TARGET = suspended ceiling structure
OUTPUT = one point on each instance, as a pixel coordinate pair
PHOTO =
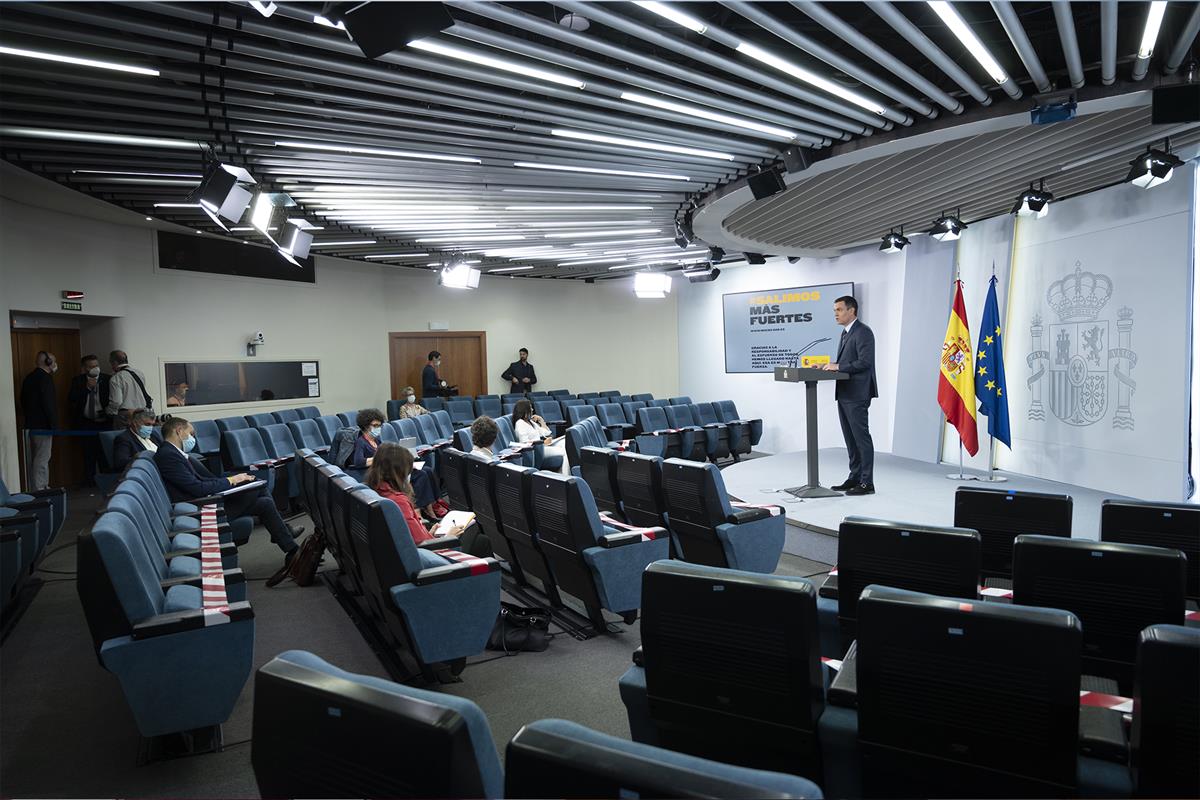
(566, 140)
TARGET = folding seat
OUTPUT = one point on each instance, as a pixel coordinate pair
(144, 483)
(387, 433)
(340, 487)
(639, 482)
(955, 699)
(682, 400)
(441, 604)
(246, 450)
(729, 668)
(308, 412)
(559, 393)
(610, 393)
(18, 547)
(708, 529)
(226, 424)
(1175, 525)
(307, 433)
(349, 419)
(322, 477)
(259, 420)
(645, 398)
(1116, 590)
(596, 402)
(388, 739)
(705, 442)
(454, 478)
(488, 407)
(178, 670)
(551, 412)
(660, 403)
(286, 415)
(208, 437)
(919, 558)
(598, 468)
(481, 489)
(48, 505)
(576, 414)
(585, 396)
(280, 445)
(616, 427)
(107, 440)
(740, 429)
(1000, 515)
(658, 438)
(433, 403)
(630, 409)
(393, 409)
(704, 415)
(532, 395)
(582, 435)
(598, 564)
(462, 412)
(1165, 754)
(512, 397)
(329, 426)
(514, 504)
(509, 408)
(507, 447)
(557, 758)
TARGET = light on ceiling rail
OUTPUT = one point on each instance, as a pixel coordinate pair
(705, 274)
(479, 57)
(947, 227)
(1154, 167)
(600, 171)
(713, 116)
(98, 138)
(639, 143)
(1154, 18)
(41, 55)
(586, 234)
(893, 242)
(651, 285)
(396, 255)
(502, 237)
(459, 275)
(969, 40)
(1033, 202)
(679, 18)
(568, 208)
(344, 243)
(508, 269)
(267, 9)
(799, 73)
(225, 192)
(194, 175)
(376, 151)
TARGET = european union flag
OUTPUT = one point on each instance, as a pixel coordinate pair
(990, 389)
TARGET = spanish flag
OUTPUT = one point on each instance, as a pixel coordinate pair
(956, 384)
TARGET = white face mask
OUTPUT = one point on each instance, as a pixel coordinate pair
(412, 398)
(94, 372)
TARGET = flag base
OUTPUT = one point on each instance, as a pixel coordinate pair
(962, 476)
(811, 490)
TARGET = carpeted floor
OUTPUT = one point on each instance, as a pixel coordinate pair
(65, 730)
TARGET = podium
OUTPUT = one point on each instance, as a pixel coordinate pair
(810, 377)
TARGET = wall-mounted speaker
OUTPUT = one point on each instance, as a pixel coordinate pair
(1172, 105)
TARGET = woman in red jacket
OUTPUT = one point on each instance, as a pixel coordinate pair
(389, 477)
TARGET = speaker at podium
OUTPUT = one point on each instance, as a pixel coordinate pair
(810, 376)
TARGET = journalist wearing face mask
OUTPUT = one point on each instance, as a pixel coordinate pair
(186, 479)
(39, 408)
(138, 436)
(424, 483)
(88, 399)
(411, 407)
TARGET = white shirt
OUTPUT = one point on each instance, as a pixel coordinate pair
(527, 431)
(850, 325)
(485, 452)
(149, 444)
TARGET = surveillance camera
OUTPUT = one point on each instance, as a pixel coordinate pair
(259, 338)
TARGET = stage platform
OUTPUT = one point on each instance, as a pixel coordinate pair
(905, 491)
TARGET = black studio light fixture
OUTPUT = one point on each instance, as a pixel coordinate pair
(893, 242)
(379, 28)
(704, 274)
(716, 255)
(755, 259)
(948, 227)
(224, 192)
(1154, 167)
(1034, 202)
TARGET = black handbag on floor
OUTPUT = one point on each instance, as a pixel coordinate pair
(519, 628)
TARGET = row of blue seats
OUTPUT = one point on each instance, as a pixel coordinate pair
(937, 697)
(695, 431)
(29, 522)
(391, 740)
(436, 403)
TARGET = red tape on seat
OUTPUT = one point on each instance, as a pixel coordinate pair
(479, 566)
(214, 599)
(648, 534)
(1101, 700)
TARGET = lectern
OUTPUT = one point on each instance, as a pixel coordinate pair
(810, 377)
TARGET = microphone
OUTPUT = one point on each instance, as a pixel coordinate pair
(805, 349)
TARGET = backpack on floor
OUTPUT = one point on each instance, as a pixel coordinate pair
(342, 447)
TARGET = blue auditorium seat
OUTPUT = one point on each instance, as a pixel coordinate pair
(657, 437)
(488, 406)
(587, 432)
(339, 487)
(551, 412)
(393, 409)
(576, 414)
(462, 412)
(769, 627)
(609, 393)
(387, 433)
(559, 393)
(682, 400)
(481, 489)
(433, 403)
(286, 415)
(616, 427)
(509, 408)
(349, 419)
(717, 434)
(308, 433)
(479, 397)
(246, 449)
(702, 442)
(225, 424)
(442, 420)
(514, 503)
(645, 398)
(536, 394)
(630, 408)
(329, 426)
(427, 427)
(454, 476)
(278, 441)
(438, 745)
(1166, 706)
(446, 609)
(177, 519)
(107, 440)
(660, 403)
(639, 481)
(708, 529)
(587, 395)
(511, 397)
(259, 420)
(178, 672)
(308, 412)
(48, 505)
(18, 548)
(752, 428)
(598, 468)
(600, 565)
(208, 436)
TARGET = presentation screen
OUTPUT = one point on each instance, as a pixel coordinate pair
(782, 327)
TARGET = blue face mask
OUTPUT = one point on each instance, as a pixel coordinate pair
(145, 431)
(189, 444)
(376, 432)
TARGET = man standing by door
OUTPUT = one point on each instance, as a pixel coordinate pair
(88, 397)
(39, 405)
(126, 389)
(520, 374)
(855, 356)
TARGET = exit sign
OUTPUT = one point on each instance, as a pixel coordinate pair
(67, 305)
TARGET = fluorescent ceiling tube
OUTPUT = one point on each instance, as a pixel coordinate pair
(265, 8)
(969, 40)
(679, 18)
(703, 113)
(581, 234)
(375, 151)
(618, 242)
(798, 72)
(1150, 32)
(79, 62)
(177, 205)
(100, 138)
(328, 23)
(576, 262)
(600, 171)
(397, 255)
(644, 145)
(561, 209)
(479, 57)
(142, 174)
(587, 193)
(346, 243)
(508, 269)
(482, 238)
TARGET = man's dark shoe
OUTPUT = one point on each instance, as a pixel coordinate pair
(297, 531)
(862, 488)
(849, 483)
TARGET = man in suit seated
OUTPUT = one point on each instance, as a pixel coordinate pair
(138, 436)
(187, 480)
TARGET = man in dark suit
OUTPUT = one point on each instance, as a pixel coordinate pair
(39, 406)
(88, 398)
(186, 480)
(520, 374)
(139, 436)
(856, 357)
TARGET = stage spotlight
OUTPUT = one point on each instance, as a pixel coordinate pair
(458, 274)
(1154, 167)
(894, 242)
(681, 238)
(379, 28)
(651, 285)
(755, 259)
(716, 254)
(294, 242)
(947, 227)
(793, 259)
(765, 184)
(705, 274)
(1034, 202)
(224, 192)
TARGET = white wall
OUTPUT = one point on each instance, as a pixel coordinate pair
(878, 282)
(582, 337)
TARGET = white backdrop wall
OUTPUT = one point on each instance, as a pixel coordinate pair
(878, 284)
(583, 337)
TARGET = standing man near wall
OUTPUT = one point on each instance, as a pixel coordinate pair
(520, 373)
(88, 397)
(126, 389)
(855, 356)
(39, 405)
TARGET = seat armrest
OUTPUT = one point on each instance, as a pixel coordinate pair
(17, 520)
(189, 620)
(227, 549)
(639, 658)
(24, 504)
(271, 463)
(829, 588)
(232, 577)
(440, 543)
(747, 515)
(40, 493)
(1102, 734)
(843, 691)
(455, 571)
(623, 538)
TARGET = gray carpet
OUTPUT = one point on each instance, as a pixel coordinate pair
(65, 730)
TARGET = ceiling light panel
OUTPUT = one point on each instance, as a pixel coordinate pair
(600, 171)
(62, 58)
(478, 57)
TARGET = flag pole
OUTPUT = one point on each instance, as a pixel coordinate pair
(992, 477)
(962, 476)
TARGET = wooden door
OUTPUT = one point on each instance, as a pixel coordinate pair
(66, 459)
(464, 360)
